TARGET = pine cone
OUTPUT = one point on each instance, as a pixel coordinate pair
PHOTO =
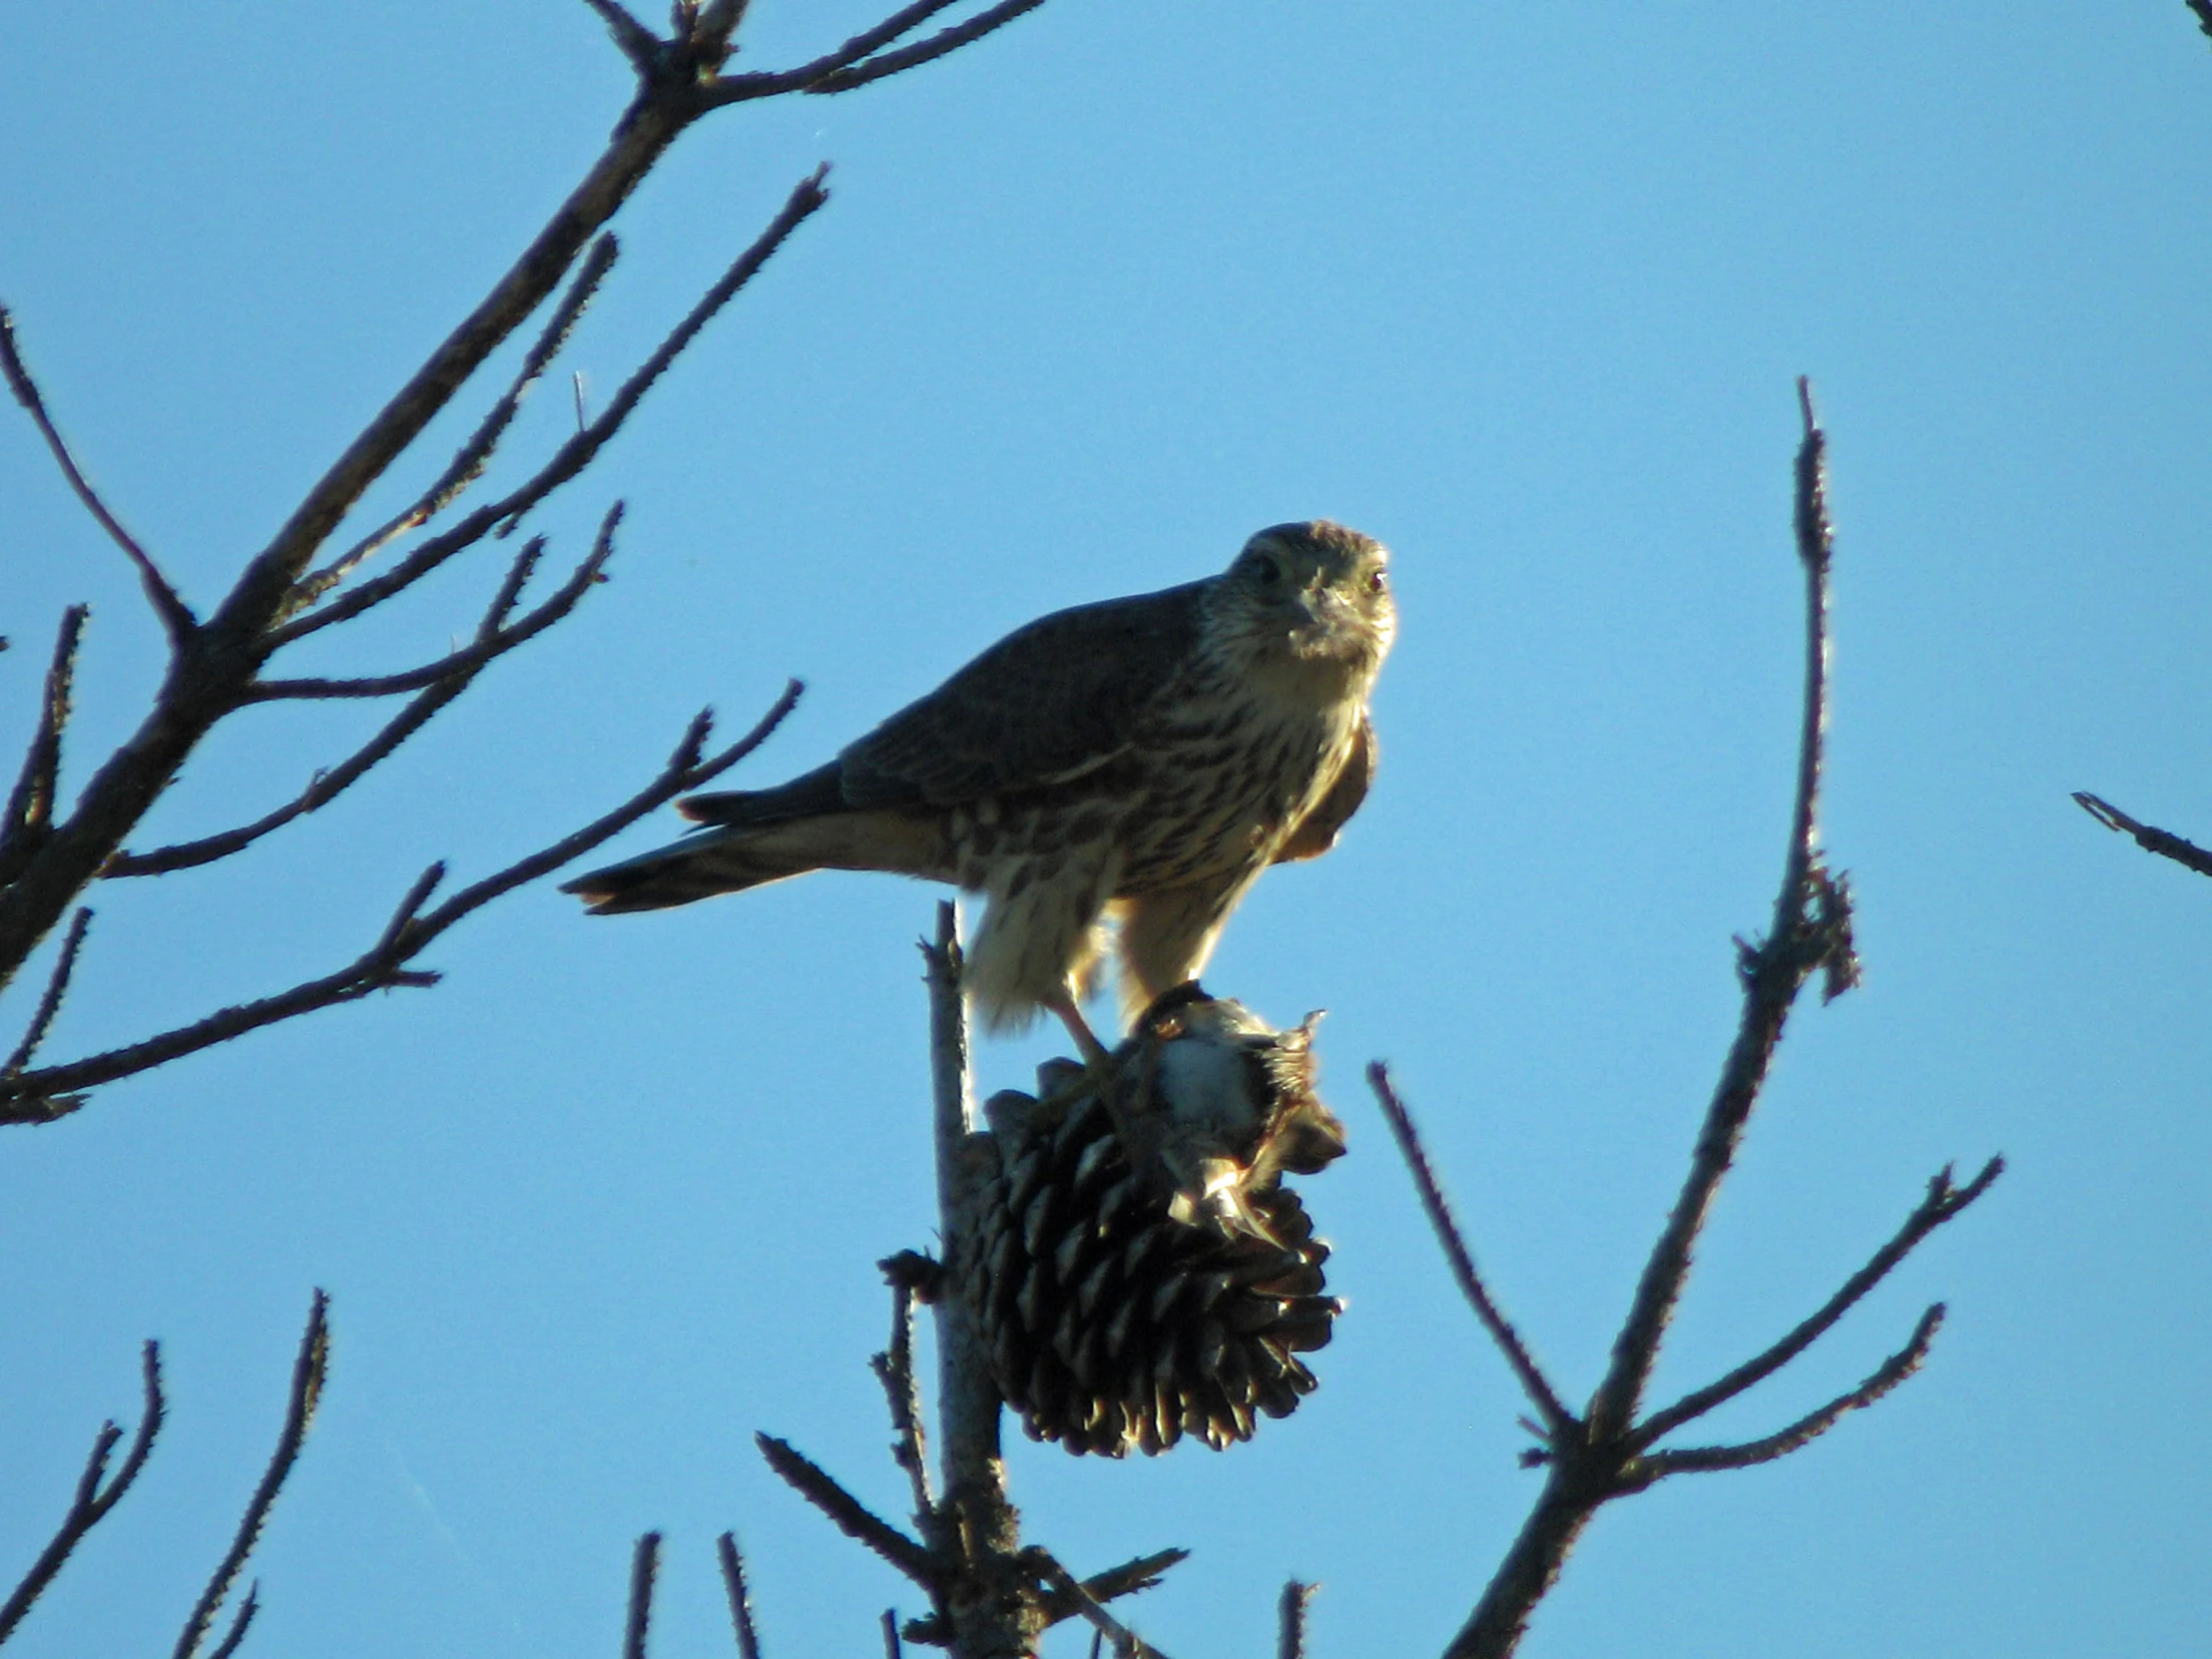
(1141, 1274)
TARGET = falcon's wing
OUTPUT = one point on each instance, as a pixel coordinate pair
(1316, 831)
(1046, 704)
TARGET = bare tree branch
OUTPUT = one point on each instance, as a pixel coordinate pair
(1127, 1643)
(851, 1517)
(57, 987)
(1809, 931)
(1603, 1456)
(895, 1369)
(176, 618)
(1556, 1417)
(891, 1647)
(2161, 842)
(741, 1598)
(844, 68)
(492, 640)
(645, 1564)
(733, 89)
(307, 1374)
(1291, 1640)
(93, 1499)
(937, 45)
(996, 1610)
(40, 1096)
(240, 1623)
(469, 461)
(638, 43)
(327, 785)
(2201, 10)
(1944, 1200)
(30, 808)
(806, 198)
(1812, 1425)
(1130, 1579)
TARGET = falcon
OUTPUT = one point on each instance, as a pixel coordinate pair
(1138, 762)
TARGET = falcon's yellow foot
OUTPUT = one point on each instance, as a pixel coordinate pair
(1097, 1057)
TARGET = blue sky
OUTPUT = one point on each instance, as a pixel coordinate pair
(1520, 291)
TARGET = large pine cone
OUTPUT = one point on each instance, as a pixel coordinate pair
(1141, 1273)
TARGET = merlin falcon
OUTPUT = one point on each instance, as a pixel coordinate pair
(1137, 761)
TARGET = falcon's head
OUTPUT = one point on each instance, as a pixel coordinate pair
(1318, 592)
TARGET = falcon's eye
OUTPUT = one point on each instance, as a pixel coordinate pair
(1377, 582)
(1267, 571)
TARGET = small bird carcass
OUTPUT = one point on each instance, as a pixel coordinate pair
(1141, 1274)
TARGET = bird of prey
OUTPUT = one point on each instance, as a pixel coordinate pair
(1140, 761)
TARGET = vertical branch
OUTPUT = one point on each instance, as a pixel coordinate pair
(740, 1597)
(1290, 1638)
(987, 1596)
(96, 1494)
(307, 1372)
(29, 814)
(645, 1566)
(1811, 929)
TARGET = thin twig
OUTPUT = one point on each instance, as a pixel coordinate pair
(491, 640)
(1537, 1386)
(1291, 1641)
(93, 1501)
(645, 1564)
(891, 1647)
(1944, 1200)
(30, 809)
(638, 43)
(177, 618)
(57, 987)
(895, 1369)
(806, 198)
(1798, 943)
(470, 459)
(1127, 1643)
(1131, 1577)
(240, 1623)
(2161, 842)
(307, 1372)
(1812, 1425)
(733, 89)
(40, 1096)
(985, 22)
(740, 1596)
(851, 1516)
(327, 785)
(2201, 10)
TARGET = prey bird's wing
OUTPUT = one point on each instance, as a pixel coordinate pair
(1316, 831)
(1046, 705)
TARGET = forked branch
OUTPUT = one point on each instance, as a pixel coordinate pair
(1944, 1200)
(30, 808)
(1607, 1452)
(1812, 1425)
(49, 1092)
(97, 1494)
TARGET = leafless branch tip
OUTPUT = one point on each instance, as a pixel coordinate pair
(96, 1493)
(307, 1372)
(175, 617)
